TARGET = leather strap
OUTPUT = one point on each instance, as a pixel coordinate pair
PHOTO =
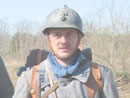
(95, 75)
(39, 57)
(90, 86)
(48, 73)
(52, 89)
(34, 88)
(50, 81)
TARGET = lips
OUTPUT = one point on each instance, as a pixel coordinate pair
(64, 49)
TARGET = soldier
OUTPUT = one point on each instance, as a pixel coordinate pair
(66, 73)
(6, 87)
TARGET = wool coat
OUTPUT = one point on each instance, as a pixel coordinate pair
(73, 86)
(6, 86)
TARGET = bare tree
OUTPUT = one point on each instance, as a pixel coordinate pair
(4, 38)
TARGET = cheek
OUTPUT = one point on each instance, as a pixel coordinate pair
(75, 41)
(53, 43)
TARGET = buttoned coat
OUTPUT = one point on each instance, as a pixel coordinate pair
(72, 87)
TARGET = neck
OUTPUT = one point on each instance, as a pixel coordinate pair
(65, 62)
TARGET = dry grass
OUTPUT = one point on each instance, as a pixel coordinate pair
(124, 87)
(12, 66)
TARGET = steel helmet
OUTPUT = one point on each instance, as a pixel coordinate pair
(63, 17)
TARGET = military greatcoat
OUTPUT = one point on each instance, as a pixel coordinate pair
(71, 87)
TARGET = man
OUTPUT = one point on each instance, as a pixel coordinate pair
(6, 87)
(66, 73)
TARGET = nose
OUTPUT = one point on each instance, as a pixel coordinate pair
(64, 39)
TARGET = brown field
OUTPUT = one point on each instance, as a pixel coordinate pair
(12, 65)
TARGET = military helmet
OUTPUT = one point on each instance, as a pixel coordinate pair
(63, 17)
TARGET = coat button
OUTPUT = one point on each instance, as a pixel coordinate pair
(32, 91)
(63, 83)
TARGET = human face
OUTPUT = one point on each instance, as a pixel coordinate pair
(64, 42)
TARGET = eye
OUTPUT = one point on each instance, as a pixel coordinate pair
(56, 34)
(70, 34)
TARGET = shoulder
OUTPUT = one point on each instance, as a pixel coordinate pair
(28, 73)
(104, 69)
(26, 76)
(106, 73)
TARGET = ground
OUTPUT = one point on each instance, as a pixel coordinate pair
(123, 86)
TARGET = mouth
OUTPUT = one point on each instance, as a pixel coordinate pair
(64, 49)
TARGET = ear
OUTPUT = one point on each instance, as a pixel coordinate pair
(80, 36)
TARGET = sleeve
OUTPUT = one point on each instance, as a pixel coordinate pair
(6, 86)
(109, 87)
(22, 89)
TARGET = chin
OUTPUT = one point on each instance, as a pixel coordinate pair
(64, 56)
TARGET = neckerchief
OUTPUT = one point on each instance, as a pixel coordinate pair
(61, 71)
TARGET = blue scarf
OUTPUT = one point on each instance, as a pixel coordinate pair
(61, 71)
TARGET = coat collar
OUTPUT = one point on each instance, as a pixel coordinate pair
(82, 74)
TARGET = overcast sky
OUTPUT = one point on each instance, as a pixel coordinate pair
(37, 10)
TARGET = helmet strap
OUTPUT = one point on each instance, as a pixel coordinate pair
(49, 44)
